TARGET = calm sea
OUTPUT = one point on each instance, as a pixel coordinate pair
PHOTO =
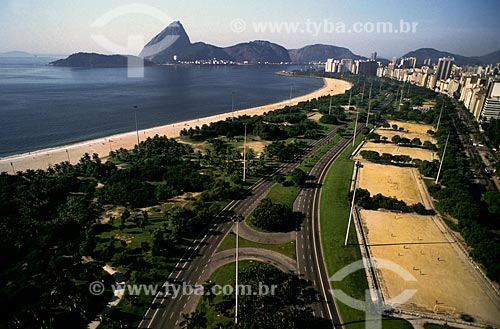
(43, 106)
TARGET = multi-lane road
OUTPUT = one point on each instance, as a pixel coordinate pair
(166, 312)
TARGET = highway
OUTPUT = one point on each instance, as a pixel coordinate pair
(166, 312)
(311, 264)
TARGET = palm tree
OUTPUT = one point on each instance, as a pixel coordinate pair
(194, 320)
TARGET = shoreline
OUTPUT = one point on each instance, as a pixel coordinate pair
(42, 159)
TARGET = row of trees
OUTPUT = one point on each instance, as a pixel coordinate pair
(396, 139)
(464, 200)
(386, 157)
(365, 200)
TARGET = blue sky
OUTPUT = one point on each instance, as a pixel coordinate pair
(66, 26)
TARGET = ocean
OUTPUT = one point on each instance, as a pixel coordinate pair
(43, 106)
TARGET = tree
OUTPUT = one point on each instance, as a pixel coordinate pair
(396, 139)
(273, 216)
(492, 200)
(298, 177)
(194, 320)
(370, 155)
(124, 217)
(416, 141)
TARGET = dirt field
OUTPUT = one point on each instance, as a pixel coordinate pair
(391, 181)
(418, 245)
(256, 146)
(390, 133)
(315, 116)
(413, 152)
(412, 127)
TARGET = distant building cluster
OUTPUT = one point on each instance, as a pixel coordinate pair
(348, 65)
(478, 87)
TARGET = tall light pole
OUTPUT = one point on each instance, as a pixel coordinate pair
(237, 219)
(442, 159)
(358, 165)
(401, 97)
(245, 154)
(369, 103)
(68, 155)
(355, 126)
(291, 89)
(363, 92)
(136, 128)
(330, 107)
(440, 113)
(232, 103)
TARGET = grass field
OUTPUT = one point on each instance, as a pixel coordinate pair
(334, 213)
(229, 242)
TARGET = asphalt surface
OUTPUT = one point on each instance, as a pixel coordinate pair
(310, 259)
(166, 312)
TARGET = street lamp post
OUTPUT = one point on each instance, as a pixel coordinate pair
(291, 89)
(237, 219)
(369, 103)
(442, 159)
(358, 165)
(232, 103)
(136, 128)
(245, 154)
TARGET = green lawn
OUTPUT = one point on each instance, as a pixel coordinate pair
(334, 211)
(229, 242)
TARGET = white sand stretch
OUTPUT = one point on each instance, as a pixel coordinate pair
(42, 159)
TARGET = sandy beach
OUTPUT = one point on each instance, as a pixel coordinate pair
(44, 158)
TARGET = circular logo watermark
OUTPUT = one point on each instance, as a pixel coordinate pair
(238, 25)
(134, 41)
(373, 304)
(96, 288)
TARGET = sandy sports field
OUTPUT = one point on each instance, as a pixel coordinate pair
(389, 133)
(392, 181)
(418, 128)
(413, 152)
(42, 159)
(444, 281)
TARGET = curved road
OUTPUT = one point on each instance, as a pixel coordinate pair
(165, 313)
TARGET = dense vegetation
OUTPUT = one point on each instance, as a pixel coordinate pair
(274, 217)
(286, 308)
(492, 131)
(137, 211)
(457, 195)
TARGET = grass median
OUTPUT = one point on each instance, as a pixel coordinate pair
(229, 242)
(334, 213)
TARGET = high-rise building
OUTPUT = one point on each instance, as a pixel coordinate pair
(444, 67)
(367, 68)
(373, 56)
(428, 61)
(347, 64)
(491, 108)
(329, 65)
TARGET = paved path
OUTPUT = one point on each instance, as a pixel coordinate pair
(246, 232)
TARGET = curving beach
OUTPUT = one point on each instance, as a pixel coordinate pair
(42, 159)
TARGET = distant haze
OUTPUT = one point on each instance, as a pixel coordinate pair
(65, 26)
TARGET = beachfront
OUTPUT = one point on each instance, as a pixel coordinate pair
(42, 159)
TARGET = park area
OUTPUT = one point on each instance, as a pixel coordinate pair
(446, 283)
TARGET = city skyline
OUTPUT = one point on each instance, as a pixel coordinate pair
(62, 27)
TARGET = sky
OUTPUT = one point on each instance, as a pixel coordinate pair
(63, 27)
